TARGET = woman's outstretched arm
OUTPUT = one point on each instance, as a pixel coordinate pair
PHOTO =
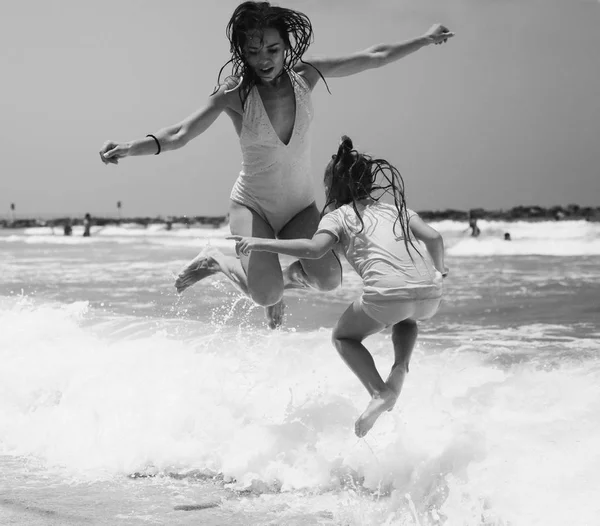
(172, 137)
(372, 57)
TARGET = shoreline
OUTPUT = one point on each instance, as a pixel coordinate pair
(570, 212)
(210, 221)
(518, 213)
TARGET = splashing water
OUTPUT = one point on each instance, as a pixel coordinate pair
(107, 375)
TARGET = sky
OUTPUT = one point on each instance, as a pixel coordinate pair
(507, 113)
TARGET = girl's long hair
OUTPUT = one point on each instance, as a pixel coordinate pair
(293, 26)
(352, 176)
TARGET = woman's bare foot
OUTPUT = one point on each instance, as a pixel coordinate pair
(203, 265)
(275, 314)
(376, 407)
(210, 261)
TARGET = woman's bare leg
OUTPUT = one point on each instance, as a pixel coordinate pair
(209, 261)
(321, 274)
(352, 328)
(258, 275)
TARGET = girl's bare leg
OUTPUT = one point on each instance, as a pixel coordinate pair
(352, 328)
(404, 337)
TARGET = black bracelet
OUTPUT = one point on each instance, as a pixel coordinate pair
(157, 143)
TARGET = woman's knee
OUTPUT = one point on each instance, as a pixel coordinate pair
(265, 280)
(336, 336)
(329, 282)
(327, 276)
(337, 342)
(266, 296)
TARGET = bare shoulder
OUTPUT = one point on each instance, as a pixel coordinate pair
(227, 96)
(413, 217)
(420, 229)
(309, 71)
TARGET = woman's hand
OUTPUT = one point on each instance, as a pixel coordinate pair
(438, 34)
(111, 152)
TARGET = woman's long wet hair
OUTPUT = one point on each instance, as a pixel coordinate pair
(294, 28)
(352, 176)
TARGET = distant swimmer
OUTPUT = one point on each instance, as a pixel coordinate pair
(68, 228)
(87, 225)
(268, 98)
(400, 285)
(475, 230)
(507, 236)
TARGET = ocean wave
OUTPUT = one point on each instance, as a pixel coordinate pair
(101, 396)
(522, 247)
(548, 238)
(545, 238)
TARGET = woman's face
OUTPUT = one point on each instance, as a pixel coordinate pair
(265, 53)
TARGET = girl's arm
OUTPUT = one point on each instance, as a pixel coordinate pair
(171, 137)
(373, 57)
(314, 248)
(433, 242)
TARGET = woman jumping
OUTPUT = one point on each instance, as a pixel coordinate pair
(268, 99)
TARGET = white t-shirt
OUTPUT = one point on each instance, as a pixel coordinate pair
(379, 255)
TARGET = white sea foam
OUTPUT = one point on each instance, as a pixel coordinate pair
(132, 230)
(524, 247)
(548, 238)
(471, 441)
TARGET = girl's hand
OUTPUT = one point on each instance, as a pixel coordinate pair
(111, 152)
(438, 34)
(245, 245)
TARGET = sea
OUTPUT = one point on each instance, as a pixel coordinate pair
(124, 403)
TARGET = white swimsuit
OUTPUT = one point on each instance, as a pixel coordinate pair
(275, 181)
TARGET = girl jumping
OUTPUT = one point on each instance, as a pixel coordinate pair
(381, 242)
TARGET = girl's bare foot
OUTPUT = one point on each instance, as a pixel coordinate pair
(375, 408)
(203, 265)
